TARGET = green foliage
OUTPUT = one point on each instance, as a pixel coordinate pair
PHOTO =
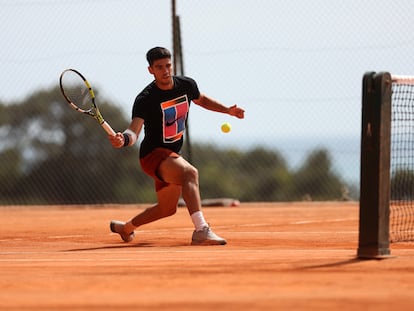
(314, 180)
(59, 156)
(263, 175)
(51, 154)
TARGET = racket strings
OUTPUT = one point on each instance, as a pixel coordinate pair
(80, 96)
(76, 90)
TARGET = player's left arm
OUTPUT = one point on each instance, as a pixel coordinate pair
(213, 105)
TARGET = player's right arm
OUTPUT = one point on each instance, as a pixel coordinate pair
(129, 136)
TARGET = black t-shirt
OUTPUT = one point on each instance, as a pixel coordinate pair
(165, 113)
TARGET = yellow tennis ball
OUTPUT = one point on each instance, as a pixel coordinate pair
(226, 127)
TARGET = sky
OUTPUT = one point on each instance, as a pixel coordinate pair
(295, 66)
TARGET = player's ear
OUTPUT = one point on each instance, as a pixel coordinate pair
(150, 70)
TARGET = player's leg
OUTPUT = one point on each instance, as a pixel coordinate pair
(177, 170)
(173, 174)
(168, 197)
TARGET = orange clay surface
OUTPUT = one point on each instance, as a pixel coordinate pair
(284, 256)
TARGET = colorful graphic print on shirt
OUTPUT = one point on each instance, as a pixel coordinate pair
(174, 117)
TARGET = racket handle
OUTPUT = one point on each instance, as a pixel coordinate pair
(108, 128)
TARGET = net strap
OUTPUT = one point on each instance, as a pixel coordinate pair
(402, 79)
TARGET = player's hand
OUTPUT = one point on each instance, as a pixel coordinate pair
(117, 141)
(236, 112)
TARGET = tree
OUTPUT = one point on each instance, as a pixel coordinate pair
(314, 180)
(61, 156)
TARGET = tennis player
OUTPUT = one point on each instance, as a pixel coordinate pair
(162, 108)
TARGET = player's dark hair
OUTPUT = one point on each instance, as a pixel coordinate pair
(156, 54)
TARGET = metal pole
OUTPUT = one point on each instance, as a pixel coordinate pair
(174, 35)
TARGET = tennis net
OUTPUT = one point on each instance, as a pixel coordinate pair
(387, 164)
(402, 159)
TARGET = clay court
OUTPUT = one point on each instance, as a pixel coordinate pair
(284, 256)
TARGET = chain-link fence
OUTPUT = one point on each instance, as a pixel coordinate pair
(296, 68)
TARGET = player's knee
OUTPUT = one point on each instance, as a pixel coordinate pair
(171, 211)
(191, 175)
(168, 210)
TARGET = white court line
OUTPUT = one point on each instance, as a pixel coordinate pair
(304, 233)
(321, 221)
(48, 237)
(14, 239)
(66, 236)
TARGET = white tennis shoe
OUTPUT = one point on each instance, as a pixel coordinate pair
(118, 227)
(207, 237)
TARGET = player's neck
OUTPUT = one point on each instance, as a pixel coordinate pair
(165, 85)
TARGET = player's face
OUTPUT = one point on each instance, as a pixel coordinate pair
(161, 69)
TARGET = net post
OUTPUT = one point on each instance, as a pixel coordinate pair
(375, 166)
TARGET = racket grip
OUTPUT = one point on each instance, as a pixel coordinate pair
(108, 128)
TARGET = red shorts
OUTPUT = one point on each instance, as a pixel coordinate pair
(151, 162)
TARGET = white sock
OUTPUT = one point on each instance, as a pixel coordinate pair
(199, 221)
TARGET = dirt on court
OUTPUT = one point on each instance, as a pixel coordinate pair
(284, 256)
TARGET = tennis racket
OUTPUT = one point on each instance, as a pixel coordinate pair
(80, 96)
